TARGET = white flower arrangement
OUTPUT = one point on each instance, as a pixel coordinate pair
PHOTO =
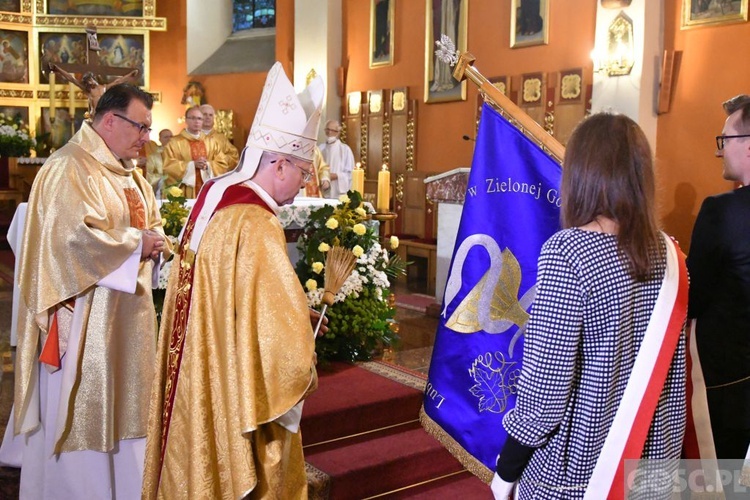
(361, 316)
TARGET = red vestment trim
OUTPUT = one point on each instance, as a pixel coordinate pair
(198, 150)
(136, 208)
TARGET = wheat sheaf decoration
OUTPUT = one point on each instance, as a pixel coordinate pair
(339, 265)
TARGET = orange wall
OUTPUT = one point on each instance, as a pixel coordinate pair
(440, 126)
(712, 69)
(239, 92)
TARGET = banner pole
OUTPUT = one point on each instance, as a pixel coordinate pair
(519, 118)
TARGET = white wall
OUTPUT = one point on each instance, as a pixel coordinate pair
(635, 94)
(317, 45)
(209, 23)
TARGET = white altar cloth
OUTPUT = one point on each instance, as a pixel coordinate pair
(292, 216)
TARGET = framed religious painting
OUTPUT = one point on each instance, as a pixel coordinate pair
(53, 134)
(10, 6)
(449, 18)
(118, 50)
(14, 56)
(130, 8)
(60, 47)
(117, 14)
(529, 23)
(381, 32)
(696, 13)
(124, 51)
(12, 113)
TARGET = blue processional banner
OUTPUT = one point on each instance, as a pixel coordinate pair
(512, 207)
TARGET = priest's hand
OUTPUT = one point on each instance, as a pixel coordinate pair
(314, 317)
(153, 244)
(201, 164)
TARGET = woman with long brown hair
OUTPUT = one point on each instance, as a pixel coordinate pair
(591, 336)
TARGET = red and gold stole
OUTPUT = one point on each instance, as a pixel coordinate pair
(198, 150)
(136, 207)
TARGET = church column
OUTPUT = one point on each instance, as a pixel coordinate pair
(634, 95)
(317, 46)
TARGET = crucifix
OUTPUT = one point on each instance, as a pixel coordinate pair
(88, 71)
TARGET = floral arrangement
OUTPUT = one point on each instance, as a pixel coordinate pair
(15, 139)
(361, 318)
(174, 215)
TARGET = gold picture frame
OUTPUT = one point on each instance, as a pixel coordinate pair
(15, 65)
(529, 23)
(698, 13)
(102, 14)
(451, 20)
(15, 11)
(381, 32)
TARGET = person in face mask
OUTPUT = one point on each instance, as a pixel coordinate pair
(340, 159)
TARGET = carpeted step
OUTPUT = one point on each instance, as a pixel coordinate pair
(385, 461)
(351, 400)
(463, 485)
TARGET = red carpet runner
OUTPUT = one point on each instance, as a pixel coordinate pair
(363, 439)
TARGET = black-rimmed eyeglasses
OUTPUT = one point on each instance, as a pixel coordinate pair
(721, 138)
(306, 174)
(142, 129)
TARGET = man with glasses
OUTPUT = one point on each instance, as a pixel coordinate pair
(340, 160)
(236, 348)
(87, 325)
(190, 160)
(223, 144)
(719, 265)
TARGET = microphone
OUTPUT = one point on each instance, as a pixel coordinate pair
(467, 138)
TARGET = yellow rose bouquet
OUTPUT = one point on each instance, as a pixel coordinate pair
(174, 215)
(360, 320)
(173, 211)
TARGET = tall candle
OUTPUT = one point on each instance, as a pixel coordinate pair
(384, 189)
(52, 96)
(72, 102)
(358, 179)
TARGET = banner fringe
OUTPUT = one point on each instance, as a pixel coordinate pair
(467, 459)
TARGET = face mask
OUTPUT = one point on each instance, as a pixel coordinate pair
(330, 140)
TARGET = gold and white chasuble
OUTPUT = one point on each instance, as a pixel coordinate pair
(84, 217)
(235, 353)
(231, 155)
(180, 153)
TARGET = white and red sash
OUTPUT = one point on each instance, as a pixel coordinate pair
(628, 432)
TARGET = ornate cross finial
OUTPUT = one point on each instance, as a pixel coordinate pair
(446, 51)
